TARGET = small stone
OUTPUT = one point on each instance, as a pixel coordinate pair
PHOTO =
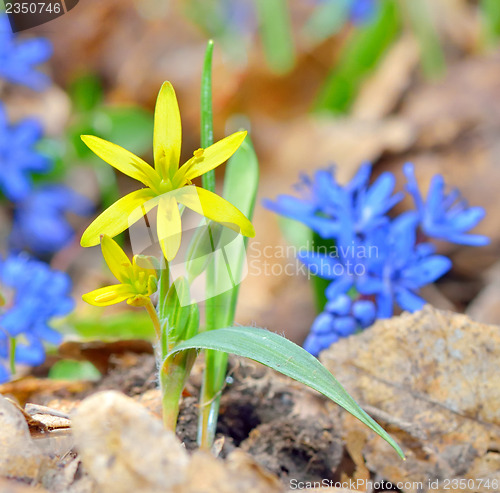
(19, 457)
(124, 448)
(240, 472)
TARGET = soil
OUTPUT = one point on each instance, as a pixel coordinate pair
(284, 426)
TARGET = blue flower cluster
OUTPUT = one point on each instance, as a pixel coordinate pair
(19, 58)
(34, 294)
(40, 222)
(19, 157)
(374, 262)
(31, 293)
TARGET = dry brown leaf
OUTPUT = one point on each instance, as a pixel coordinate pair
(25, 388)
(381, 92)
(99, 352)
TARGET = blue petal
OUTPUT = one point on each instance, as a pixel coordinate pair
(344, 326)
(338, 287)
(322, 324)
(360, 179)
(47, 334)
(340, 305)
(27, 132)
(365, 312)
(427, 270)
(15, 185)
(4, 373)
(32, 354)
(319, 264)
(408, 300)
(412, 186)
(385, 304)
(289, 206)
(34, 51)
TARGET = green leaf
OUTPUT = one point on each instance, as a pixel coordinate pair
(67, 369)
(129, 325)
(241, 182)
(285, 357)
(207, 125)
(422, 23)
(131, 127)
(490, 10)
(295, 233)
(327, 19)
(276, 34)
(86, 92)
(360, 55)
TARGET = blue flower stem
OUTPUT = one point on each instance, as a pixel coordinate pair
(209, 408)
(12, 355)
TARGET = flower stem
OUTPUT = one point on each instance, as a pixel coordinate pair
(12, 355)
(154, 317)
(173, 375)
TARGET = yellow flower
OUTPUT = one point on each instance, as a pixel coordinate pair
(137, 283)
(168, 185)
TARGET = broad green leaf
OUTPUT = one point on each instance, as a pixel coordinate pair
(67, 369)
(285, 357)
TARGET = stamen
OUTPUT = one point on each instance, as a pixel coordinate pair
(199, 153)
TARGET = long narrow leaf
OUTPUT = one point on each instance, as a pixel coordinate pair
(286, 357)
(241, 181)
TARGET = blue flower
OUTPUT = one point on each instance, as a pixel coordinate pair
(389, 266)
(402, 267)
(326, 206)
(18, 156)
(445, 216)
(40, 223)
(18, 59)
(342, 317)
(363, 11)
(36, 294)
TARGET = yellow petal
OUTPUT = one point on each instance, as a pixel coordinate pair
(122, 160)
(115, 258)
(119, 216)
(169, 226)
(109, 295)
(214, 207)
(167, 132)
(213, 156)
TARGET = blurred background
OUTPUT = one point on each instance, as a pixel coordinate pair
(317, 83)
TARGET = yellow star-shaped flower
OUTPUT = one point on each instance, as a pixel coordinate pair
(138, 279)
(167, 184)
